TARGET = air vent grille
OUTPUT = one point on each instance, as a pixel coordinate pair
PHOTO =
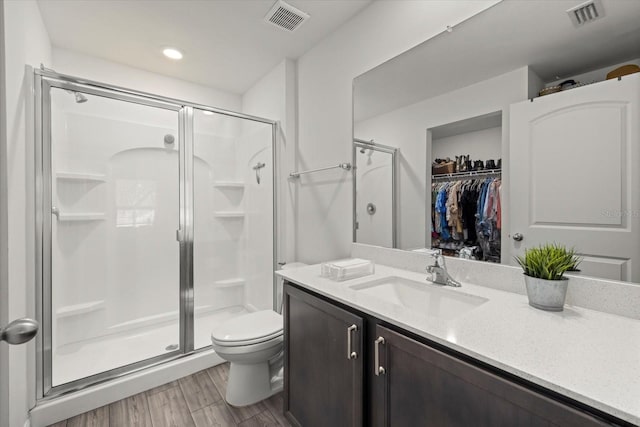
(285, 16)
(586, 12)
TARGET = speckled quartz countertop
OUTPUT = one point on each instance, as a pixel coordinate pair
(590, 356)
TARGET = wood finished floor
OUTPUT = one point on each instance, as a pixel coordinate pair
(193, 401)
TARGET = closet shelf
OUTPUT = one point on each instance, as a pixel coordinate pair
(77, 176)
(229, 283)
(83, 216)
(76, 309)
(470, 174)
(229, 214)
(229, 184)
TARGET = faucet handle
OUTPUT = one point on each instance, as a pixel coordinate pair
(435, 252)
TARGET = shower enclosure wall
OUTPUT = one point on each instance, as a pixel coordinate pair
(155, 223)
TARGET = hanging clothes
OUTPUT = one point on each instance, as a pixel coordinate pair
(466, 213)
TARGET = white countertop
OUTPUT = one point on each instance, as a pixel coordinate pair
(589, 356)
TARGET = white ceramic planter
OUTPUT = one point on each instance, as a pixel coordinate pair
(546, 294)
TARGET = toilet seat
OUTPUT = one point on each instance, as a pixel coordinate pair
(249, 329)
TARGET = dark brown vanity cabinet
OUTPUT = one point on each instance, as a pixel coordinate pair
(323, 362)
(398, 380)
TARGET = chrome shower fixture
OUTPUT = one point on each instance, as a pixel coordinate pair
(169, 139)
(257, 168)
(363, 149)
(80, 98)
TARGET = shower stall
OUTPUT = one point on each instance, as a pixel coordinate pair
(155, 222)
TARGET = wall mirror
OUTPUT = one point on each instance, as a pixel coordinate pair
(517, 127)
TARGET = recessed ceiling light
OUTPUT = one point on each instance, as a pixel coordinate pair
(172, 53)
(208, 113)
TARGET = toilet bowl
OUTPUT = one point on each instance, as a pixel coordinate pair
(253, 344)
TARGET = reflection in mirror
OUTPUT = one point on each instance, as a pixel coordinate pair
(374, 193)
(518, 128)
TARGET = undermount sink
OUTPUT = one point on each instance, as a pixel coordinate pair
(423, 297)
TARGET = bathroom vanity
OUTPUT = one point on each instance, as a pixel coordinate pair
(392, 349)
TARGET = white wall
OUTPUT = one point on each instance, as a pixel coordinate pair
(406, 128)
(26, 42)
(92, 68)
(325, 73)
(482, 145)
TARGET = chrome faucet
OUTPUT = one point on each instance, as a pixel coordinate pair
(438, 271)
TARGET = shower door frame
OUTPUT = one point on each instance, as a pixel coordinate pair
(46, 79)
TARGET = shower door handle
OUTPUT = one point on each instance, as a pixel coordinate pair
(19, 331)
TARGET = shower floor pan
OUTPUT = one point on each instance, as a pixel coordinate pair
(79, 360)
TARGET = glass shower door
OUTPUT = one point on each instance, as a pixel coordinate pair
(374, 194)
(233, 240)
(115, 207)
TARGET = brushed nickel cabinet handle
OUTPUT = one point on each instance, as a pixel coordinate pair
(350, 353)
(378, 370)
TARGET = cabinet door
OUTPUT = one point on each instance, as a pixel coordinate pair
(323, 362)
(421, 386)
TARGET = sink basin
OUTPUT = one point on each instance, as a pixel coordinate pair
(423, 297)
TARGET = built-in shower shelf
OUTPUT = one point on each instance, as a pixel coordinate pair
(81, 217)
(229, 184)
(229, 214)
(76, 309)
(229, 283)
(78, 177)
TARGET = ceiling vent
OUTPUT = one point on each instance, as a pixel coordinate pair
(586, 12)
(285, 16)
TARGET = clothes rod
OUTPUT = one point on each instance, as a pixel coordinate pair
(345, 166)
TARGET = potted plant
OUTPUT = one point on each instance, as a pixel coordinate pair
(544, 268)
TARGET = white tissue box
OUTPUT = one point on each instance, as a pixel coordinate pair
(347, 269)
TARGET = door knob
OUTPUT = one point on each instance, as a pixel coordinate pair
(518, 237)
(19, 331)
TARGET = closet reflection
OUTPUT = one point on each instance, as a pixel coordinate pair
(466, 215)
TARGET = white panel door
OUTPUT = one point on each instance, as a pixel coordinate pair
(574, 164)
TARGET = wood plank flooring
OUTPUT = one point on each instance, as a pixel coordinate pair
(193, 401)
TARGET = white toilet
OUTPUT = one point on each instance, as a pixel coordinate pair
(253, 344)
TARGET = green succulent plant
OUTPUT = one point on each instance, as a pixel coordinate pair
(549, 261)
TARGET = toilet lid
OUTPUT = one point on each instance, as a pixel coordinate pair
(252, 327)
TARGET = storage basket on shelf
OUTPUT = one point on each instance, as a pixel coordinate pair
(443, 168)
